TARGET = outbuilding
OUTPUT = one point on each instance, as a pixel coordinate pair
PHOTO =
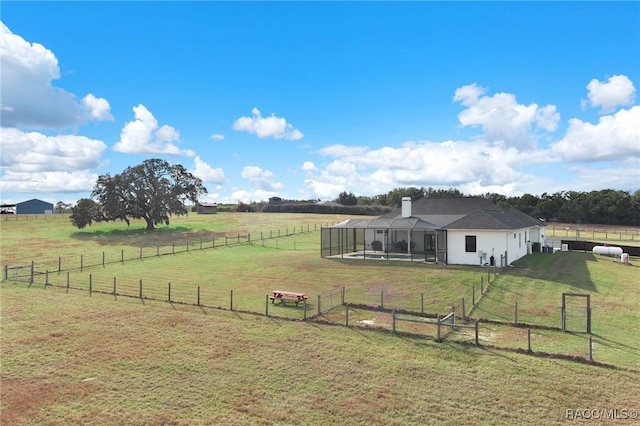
(34, 206)
(209, 208)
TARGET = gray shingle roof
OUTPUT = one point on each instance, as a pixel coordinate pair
(495, 219)
(466, 213)
(445, 206)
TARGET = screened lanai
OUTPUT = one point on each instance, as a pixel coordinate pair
(400, 238)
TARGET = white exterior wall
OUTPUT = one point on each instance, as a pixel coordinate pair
(538, 235)
(516, 244)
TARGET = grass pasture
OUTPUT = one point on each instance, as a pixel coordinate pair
(68, 358)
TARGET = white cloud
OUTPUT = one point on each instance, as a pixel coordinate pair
(35, 152)
(207, 173)
(624, 174)
(614, 137)
(99, 108)
(618, 90)
(35, 163)
(445, 164)
(143, 136)
(247, 196)
(502, 119)
(267, 127)
(308, 166)
(261, 179)
(29, 98)
(217, 137)
(48, 182)
(340, 150)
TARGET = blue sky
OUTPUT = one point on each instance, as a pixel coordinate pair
(306, 100)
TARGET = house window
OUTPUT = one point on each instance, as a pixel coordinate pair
(470, 243)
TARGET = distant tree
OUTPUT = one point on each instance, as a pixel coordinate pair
(61, 207)
(441, 193)
(347, 199)
(85, 212)
(152, 191)
(242, 207)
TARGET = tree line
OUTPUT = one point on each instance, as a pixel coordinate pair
(607, 206)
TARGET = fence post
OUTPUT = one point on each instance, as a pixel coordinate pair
(231, 297)
(563, 319)
(90, 284)
(528, 340)
(346, 315)
(6, 271)
(32, 272)
(46, 278)
(473, 296)
(140, 289)
(477, 334)
(393, 321)
(67, 282)
(173, 248)
(590, 348)
(103, 259)
(158, 250)
(187, 245)
(169, 291)
(266, 305)
(114, 287)
(382, 299)
(464, 311)
(304, 312)
(438, 331)
(81, 262)
(343, 292)
(482, 285)
(319, 310)
(59, 264)
(422, 303)
(516, 314)
(198, 301)
(140, 256)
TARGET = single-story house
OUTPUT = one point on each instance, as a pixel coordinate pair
(460, 230)
(207, 208)
(34, 206)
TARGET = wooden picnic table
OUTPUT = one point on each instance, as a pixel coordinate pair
(288, 296)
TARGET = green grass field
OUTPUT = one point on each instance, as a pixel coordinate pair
(74, 358)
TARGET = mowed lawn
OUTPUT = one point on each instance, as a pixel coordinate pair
(72, 358)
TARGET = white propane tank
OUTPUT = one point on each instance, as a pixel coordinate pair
(607, 250)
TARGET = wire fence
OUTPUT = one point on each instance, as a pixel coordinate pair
(281, 239)
(336, 306)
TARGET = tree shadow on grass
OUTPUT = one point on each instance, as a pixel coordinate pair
(141, 237)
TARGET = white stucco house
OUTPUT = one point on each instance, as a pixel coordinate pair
(462, 230)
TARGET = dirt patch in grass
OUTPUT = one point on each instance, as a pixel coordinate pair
(23, 398)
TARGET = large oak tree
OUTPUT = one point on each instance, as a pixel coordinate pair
(153, 191)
